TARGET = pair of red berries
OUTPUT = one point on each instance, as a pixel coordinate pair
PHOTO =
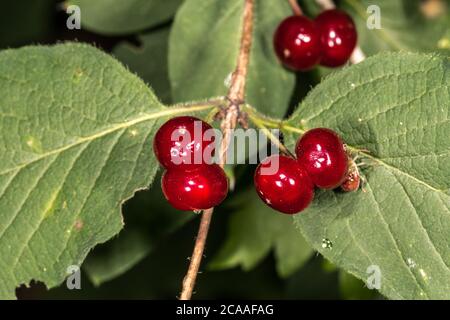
(287, 184)
(191, 182)
(302, 43)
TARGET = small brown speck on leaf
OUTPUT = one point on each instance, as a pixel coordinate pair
(78, 225)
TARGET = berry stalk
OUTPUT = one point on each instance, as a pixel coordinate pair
(235, 97)
(295, 7)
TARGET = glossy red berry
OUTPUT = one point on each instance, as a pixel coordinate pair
(321, 151)
(203, 187)
(338, 37)
(181, 141)
(283, 184)
(297, 43)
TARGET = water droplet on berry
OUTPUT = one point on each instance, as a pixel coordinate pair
(327, 244)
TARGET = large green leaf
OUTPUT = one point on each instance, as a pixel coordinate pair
(398, 107)
(75, 143)
(203, 50)
(254, 230)
(115, 17)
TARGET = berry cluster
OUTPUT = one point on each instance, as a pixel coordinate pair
(191, 180)
(329, 39)
(289, 188)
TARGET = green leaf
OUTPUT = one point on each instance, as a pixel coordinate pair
(403, 26)
(396, 106)
(75, 143)
(203, 50)
(149, 60)
(118, 17)
(254, 230)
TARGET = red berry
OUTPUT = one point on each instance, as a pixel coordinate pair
(321, 151)
(338, 37)
(203, 187)
(182, 141)
(286, 187)
(352, 179)
(297, 43)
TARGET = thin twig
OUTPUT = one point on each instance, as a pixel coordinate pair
(274, 139)
(295, 7)
(197, 255)
(236, 95)
(357, 55)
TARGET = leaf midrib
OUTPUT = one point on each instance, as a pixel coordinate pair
(377, 160)
(124, 125)
(393, 168)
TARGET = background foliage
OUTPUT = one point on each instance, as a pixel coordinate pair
(185, 50)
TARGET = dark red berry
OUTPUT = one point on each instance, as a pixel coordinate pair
(297, 43)
(338, 37)
(321, 151)
(203, 187)
(352, 179)
(283, 184)
(182, 141)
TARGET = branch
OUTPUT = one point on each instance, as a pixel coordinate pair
(357, 55)
(235, 96)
